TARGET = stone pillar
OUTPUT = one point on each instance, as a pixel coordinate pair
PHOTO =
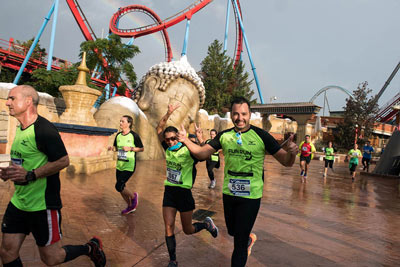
(301, 120)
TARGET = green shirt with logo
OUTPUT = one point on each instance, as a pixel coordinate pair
(244, 155)
(180, 167)
(32, 148)
(329, 153)
(126, 160)
(354, 154)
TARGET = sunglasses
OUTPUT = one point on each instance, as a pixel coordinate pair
(170, 139)
(239, 138)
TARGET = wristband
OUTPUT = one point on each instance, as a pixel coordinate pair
(30, 176)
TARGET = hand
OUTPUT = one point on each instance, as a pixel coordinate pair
(291, 146)
(198, 130)
(126, 148)
(172, 108)
(3, 173)
(16, 173)
(182, 135)
(110, 148)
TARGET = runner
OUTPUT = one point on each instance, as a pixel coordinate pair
(367, 155)
(178, 185)
(329, 158)
(354, 154)
(244, 147)
(306, 153)
(213, 161)
(127, 143)
(38, 155)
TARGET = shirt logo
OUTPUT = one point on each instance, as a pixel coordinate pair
(24, 142)
(251, 143)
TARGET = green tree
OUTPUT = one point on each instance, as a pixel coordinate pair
(359, 113)
(113, 58)
(221, 81)
(38, 53)
(50, 81)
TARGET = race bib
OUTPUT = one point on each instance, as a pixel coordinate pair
(305, 149)
(122, 155)
(355, 154)
(174, 176)
(17, 161)
(239, 187)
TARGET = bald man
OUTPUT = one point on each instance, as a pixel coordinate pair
(37, 156)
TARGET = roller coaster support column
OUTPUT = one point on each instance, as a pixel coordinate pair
(53, 34)
(184, 49)
(228, 11)
(28, 55)
(253, 68)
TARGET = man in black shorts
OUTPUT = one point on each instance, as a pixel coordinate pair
(244, 147)
(37, 156)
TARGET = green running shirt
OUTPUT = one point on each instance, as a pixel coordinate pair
(329, 153)
(214, 156)
(32, 148)
(180, 167)
(244, 164)
(354, 154)
(126, 160)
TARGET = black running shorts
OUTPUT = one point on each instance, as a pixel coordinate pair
(122, 179)
(353, 167)
(179, 198)
(328, 162)
(45, 225)
(306, 159)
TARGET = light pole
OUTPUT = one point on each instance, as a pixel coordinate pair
(272, 98)
(356, 135)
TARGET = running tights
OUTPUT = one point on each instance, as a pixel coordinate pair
(210, 166)
(240, 215)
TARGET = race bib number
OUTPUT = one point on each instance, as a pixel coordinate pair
(122, 155)
(239, 187)
(214, 158)
(174, 176)
(17, 161)
(355, 154)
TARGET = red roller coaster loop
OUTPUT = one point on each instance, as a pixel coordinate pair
(147, 11)
(159, 25)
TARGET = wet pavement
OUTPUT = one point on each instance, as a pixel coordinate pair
(320, 223)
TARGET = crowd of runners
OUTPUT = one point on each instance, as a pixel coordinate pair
(38, 155)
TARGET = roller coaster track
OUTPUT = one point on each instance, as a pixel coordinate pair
(162, 25)
(239, 35)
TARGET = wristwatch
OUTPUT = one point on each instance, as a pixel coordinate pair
(30, 176)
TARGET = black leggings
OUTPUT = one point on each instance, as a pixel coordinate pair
(210, 166)
(240, 215)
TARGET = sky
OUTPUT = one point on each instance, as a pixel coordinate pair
(297, 46)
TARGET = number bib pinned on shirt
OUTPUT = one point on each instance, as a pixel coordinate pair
(239, 187)
(174, 176)
(122, 155)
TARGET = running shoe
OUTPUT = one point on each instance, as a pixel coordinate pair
(212, 184)
(172, 264)
(252, 240)
(301, 173)
(211, 227)
(135, 201)
(96, 253)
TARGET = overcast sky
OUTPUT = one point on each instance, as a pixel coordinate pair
(298, 46)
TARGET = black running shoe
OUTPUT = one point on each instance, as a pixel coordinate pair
(211, 227)
(96, 253)
(173, 264)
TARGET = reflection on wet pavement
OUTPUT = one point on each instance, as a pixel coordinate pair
(329, 222)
